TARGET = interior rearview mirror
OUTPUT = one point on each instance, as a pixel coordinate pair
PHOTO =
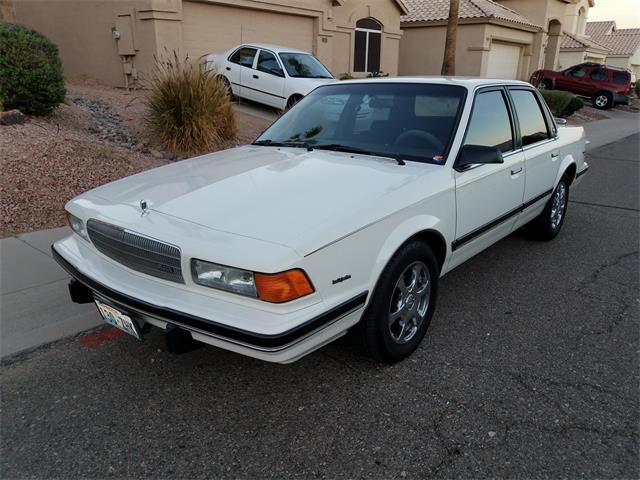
(477, 155)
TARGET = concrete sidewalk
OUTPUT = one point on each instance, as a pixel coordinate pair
(619, 125)
(34, 301)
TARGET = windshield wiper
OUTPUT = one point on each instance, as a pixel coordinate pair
(336, 147)
(271, 143)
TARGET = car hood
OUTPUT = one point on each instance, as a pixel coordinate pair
(288, 196)
(306, 85)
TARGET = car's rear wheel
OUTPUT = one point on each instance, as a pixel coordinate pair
(227, 85)
(402, 305)
(545, 84)
(602, 100)
(547, 225)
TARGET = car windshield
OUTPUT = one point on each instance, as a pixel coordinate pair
(398, 120)
(303, 65)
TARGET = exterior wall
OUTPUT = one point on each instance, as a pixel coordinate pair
(6, 11)
(570, 58)
(472, 48)
(422, 49)
(572, 21)
(83, 30)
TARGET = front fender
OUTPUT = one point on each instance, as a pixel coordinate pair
(403, 232)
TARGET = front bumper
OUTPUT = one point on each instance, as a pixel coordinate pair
(282, 347)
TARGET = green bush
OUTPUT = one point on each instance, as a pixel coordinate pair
(188, 110)
(636, 87)
(345, 76)
(561, 103)
(30, 70)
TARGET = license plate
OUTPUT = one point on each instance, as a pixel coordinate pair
(118, 319)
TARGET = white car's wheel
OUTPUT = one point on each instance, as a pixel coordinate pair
(402, 305)
(547, 225)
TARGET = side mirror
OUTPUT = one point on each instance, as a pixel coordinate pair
(477, 154)
(560, 121)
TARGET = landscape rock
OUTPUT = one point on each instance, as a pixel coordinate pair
(12, 117)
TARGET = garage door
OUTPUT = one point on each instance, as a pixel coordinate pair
(211, 28)
(503, 61)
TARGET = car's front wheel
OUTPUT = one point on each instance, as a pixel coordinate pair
(402, 305)
(547, 225)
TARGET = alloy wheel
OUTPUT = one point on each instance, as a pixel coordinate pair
(558, 205)
(409, 302)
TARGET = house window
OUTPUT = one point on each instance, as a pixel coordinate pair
(368, 46)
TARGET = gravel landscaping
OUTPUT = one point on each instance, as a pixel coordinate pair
(95, 137)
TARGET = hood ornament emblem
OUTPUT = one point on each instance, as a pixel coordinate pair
(144, 207)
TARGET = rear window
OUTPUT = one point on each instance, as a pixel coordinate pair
(621, 78)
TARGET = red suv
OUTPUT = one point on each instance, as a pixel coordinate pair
(606, 85)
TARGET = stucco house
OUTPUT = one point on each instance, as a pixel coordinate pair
(501, 38)
(116, 41)
(623, 44)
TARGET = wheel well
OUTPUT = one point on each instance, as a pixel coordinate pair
(606, 92)
(570, 173)
(295, 97)
(436, 242)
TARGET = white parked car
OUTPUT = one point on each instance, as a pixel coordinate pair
(342, 215)
(269, 74)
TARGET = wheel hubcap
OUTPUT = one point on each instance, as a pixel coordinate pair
(558, 205)
(601, 101)
(409, 302)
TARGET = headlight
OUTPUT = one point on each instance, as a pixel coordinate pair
(223, 278)
(77, 225)
(275, 288)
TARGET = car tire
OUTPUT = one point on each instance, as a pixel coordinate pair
(402, 305)
(545, 84)
(602, 100)
(547, 225)
(227, 85)
(293, 99)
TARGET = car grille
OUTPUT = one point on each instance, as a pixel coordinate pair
(136, 252)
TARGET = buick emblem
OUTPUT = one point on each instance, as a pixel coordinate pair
(143, 206)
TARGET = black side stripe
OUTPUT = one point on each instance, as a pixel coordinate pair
(256, 90)
(494, 223)
(224, 332)
(579, 174)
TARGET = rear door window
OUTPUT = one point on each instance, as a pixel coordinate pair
(490, 124)
(621, 78)
(244, 56)
(533, 126)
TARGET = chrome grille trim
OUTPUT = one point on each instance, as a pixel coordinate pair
(137, 252)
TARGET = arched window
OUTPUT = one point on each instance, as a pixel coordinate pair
(368, 46)
(582, 21)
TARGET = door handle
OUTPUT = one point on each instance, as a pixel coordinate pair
(555, 155)
(229, 69)
(515, 171)
(256, 77)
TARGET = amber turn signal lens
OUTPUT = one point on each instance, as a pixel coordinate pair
(283, 287)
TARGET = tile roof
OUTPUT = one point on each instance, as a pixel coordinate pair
(598, 29)
(435, 10)
(570, 41)
(623, 41)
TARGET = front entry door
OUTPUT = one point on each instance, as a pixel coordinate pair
(488, 197)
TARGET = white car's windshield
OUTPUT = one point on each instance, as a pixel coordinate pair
(303, 65)
(399, 120)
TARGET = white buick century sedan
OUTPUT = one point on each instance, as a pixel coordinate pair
(341, 217)
(269, 74)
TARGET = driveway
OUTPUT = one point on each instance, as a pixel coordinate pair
(530, 368)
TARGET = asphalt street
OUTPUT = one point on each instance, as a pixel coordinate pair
(529, 370)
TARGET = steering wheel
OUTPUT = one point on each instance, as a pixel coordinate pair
(419, 139)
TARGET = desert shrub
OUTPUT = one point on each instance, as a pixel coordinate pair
(377, 74)
(561, 103)
(30, 70)
(636, 87)
(188, 109)
(345, 76)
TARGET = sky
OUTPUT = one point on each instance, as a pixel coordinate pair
(626, 13)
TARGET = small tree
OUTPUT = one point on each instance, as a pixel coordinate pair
(449, 61)
(30, 70)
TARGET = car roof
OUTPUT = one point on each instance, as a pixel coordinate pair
(273, 48)
(468, 82)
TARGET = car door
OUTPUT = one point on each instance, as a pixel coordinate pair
(539, 144)
(489, 196)
(267, 80)
(572, 80)
(240, 66)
